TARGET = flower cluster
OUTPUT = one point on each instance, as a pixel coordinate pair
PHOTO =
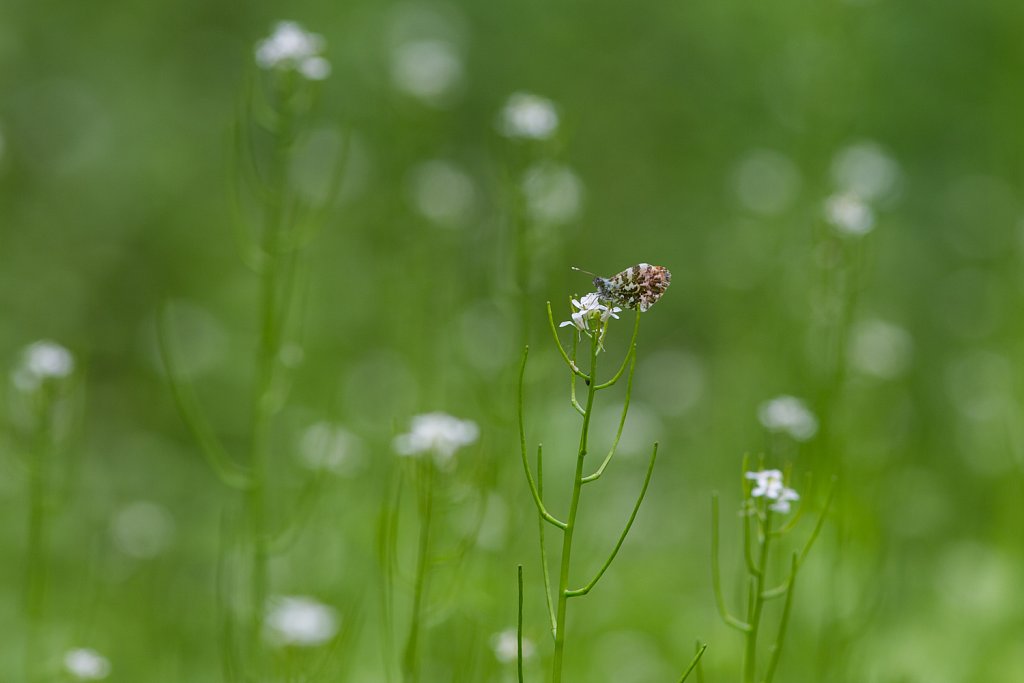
(436, 433)
(290, 47)
(85, 664)
(589, 309)
(849, 214)
(42, 361)
(768, 484)
(300, 621)
(789, 415)
(506, 646)
(528, 116)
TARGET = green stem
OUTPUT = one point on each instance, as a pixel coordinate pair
(577, 487)
(693, 662)
(622, 419)
(271, 313)
(773, 659)
(519, 628)
(757, 602)
(543, 547)
(716, 574)
(37, 569)
(615, 551)
(410, 672)
(545, 515)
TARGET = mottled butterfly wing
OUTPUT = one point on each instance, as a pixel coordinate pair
(638, 286)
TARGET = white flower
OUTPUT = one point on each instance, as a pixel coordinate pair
(437, 433)
(788, 414)
(589, 307)
(327, 447)
(85, 664)
(781, 504)
(443, 193)
(142, 529)
(299, 621)
(528, 116)
(849, 214)
(429, 70)
(553, 193)
(768, 484)
(42, 361)
(506, 646)
(866, 169)
(292, 47)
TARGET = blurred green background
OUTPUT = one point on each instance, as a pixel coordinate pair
(836, 187)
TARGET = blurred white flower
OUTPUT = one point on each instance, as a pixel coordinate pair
(553, 193)
(528, 116)
(429, 70)
(85, 664)
(437, 433)
(782, 502)
(849, 214)
(880, 348)
(327, 447)
(41, 361)
(299, 621)
(506, 646)
(768, 484)
(866, 170)
(790, 415)
(292, 47)
(443, 193)
(766, 181)
(142, 529)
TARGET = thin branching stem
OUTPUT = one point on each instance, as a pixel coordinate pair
(577, 487)
(622, 422)
(640, 499)
(630, 353)
(748, 553)
(572, 377)
(773, 658)
(545, 515)
(756, 600)
(716, 578)
(821, 521)
(229, 472)
(543, 547)
(410, 670)
(519, 628)
(561, 349)
(693, 662)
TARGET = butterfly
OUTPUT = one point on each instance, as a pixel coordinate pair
(638, 286)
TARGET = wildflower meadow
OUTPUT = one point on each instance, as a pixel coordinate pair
(488, 342)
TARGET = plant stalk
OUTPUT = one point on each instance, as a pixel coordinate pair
(577, 487)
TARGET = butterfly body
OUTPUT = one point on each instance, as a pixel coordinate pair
(638, 286)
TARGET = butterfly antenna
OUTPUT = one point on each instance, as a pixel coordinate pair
(580, 270)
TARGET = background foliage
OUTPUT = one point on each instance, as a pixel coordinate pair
(706, 136)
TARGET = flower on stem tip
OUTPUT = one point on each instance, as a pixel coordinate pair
(768, 484)
(437, 433)
(292, 47)
(299, 621)
(789, 415)
(589, 307)
(528, 116)
(85, 664)
(41, 361)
